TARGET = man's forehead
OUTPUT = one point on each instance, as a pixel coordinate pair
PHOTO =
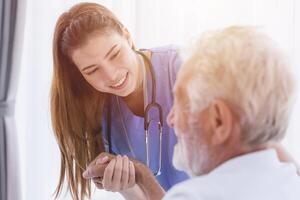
(180, 85)
(185, 74)
(180, 89)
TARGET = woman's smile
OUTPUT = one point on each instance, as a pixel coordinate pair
(121, 84)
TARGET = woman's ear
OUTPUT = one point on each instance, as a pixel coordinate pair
(221, 121)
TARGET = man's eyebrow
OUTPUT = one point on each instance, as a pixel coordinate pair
(111, 49)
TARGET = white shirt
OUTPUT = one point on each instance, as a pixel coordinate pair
(254, 176)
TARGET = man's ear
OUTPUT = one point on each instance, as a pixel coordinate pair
(221, 121)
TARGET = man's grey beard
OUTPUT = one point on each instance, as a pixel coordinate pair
(191, 156)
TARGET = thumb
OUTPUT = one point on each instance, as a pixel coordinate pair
(102, 160)
(94, 171)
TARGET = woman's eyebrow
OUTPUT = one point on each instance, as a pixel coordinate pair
(107, 54)
(111, 49)
(88, 67)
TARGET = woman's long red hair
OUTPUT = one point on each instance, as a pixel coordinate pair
(76, 107)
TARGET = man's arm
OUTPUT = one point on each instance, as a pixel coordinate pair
(148, 183)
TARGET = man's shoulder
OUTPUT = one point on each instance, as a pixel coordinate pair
(249, 176)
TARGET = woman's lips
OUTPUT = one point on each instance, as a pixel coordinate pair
(121, 83)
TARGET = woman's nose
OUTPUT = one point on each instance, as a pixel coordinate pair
(111, 73)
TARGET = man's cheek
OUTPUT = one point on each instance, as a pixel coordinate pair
(183, 126)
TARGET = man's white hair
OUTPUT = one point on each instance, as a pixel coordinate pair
(245, 68)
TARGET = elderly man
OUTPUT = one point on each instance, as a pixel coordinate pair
(232, 100)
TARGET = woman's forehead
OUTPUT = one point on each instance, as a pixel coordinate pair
(96, 47)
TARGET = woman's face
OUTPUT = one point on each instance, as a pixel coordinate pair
(108, 63)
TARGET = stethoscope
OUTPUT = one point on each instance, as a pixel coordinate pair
(147, 121)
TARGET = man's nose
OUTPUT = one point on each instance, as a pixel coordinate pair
(170, 118)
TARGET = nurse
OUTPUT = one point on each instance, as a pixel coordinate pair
(100, 88)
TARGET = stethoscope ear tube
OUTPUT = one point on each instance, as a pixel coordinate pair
(108, 124)
(147, 121)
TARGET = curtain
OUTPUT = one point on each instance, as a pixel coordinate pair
(10, 52)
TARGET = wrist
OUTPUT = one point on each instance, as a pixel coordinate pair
(134, 191)
(147, 182)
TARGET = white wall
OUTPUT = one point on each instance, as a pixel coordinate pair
(152, 23)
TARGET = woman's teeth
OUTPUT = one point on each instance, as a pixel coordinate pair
(120, 82)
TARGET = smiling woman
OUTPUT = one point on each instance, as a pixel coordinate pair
(96, 65)
(75, 106)
(108, 63)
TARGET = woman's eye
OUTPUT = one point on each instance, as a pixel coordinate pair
(91, 72)
(115, 55)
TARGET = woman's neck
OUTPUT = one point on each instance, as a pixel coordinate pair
(135, 101)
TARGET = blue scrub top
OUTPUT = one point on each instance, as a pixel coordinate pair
(127, 129)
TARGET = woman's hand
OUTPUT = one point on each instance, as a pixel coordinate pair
(119, 174)
(131, 178)
(111, 173)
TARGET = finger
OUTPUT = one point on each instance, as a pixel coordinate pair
(101, 155)
(108, 174)
(102, 160)
(117, 175)
(97, 180)
(90, 173)
(98, 185)
(131, 181)
(94, 171)
(125, 173)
